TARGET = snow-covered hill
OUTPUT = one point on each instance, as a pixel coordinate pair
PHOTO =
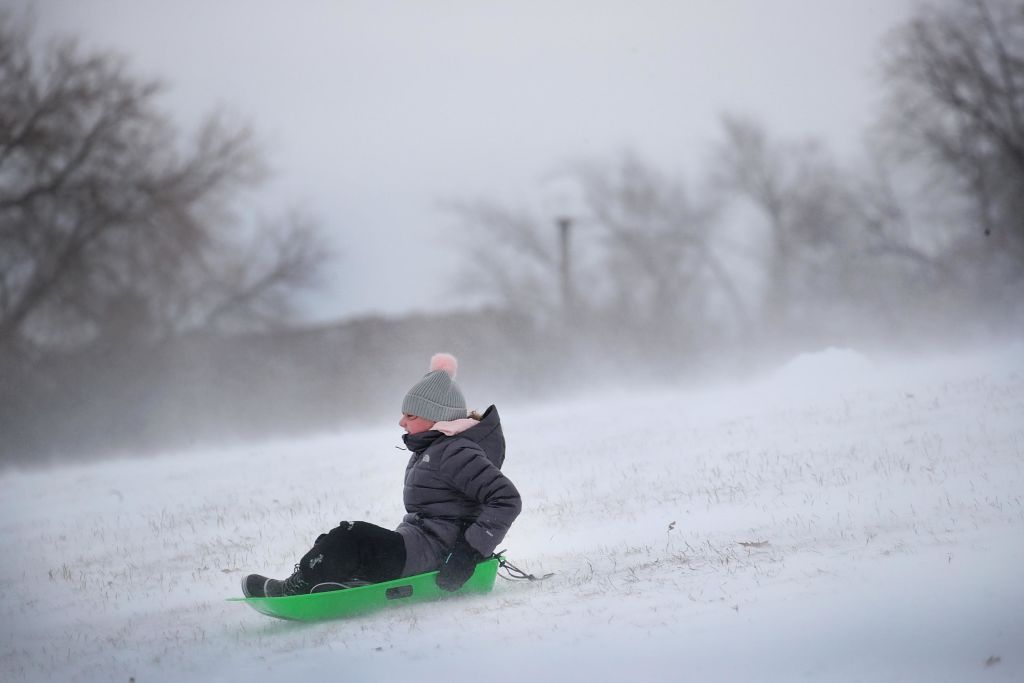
(843, 518)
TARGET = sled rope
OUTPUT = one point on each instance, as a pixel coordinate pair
(515, 573)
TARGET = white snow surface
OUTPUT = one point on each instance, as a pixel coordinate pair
(843, 518)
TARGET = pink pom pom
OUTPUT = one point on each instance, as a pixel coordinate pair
(446, 362)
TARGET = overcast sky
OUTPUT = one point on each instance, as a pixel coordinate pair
(372, 113)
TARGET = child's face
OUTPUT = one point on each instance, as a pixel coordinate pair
(413, 424)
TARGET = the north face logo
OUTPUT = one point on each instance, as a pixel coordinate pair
(316, 560)
(426, 458)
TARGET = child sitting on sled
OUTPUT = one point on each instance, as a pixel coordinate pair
(459, 505)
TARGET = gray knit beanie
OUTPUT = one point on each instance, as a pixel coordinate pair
(437, 397)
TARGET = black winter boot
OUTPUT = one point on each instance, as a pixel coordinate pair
(256, 586)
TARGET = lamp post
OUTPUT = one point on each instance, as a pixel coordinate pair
(564, 225)
(564, 205)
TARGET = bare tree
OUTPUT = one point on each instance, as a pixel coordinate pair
(661, 269)
(806, 206)
(956, 79)
(114, 226)
(646, 268)
(511, 258)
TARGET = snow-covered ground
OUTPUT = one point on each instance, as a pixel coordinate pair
(843, 518)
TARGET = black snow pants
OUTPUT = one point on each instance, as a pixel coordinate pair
(355, 551)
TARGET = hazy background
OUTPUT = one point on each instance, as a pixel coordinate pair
(372, 114)
(569, 196)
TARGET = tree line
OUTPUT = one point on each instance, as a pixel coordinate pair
(777, 241)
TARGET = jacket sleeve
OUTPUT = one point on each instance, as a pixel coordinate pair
(469, 472)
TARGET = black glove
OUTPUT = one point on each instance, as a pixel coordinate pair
(458, 566)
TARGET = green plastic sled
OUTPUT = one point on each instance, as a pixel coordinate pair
(352, 601)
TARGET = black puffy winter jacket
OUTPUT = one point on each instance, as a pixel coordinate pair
(454, 483)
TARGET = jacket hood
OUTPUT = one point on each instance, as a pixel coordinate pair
(486, 434)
